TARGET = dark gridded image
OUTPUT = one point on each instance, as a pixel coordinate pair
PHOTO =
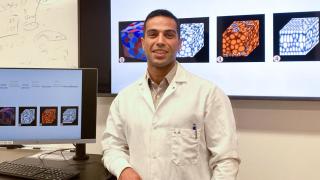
(241, 38)
(69, 115)
(7, 116)
(194, 33)
(296, 36)
(28, 116)
(48, 116)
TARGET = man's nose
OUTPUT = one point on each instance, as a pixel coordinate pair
(160, 40)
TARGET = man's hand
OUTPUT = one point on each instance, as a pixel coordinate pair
(129, 174)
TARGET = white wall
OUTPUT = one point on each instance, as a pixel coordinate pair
(278, 140)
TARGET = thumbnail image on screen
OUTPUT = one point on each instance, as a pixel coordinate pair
(7, 116)
(296, 36)
(28, 116)
(69, 115)
(130, 46)
(194, 34)
(48, 116)
(240, 38)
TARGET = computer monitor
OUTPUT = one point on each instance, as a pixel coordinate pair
(47, 106)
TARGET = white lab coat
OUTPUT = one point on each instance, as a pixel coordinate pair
(191, 135)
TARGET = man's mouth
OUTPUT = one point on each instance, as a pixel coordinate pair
(159, 51)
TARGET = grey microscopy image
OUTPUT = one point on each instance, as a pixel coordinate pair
(69, 115)
(28, 116)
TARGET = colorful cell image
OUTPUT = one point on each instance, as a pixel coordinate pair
(296, 36)
(240, 38)
(48, 116)
(69, 115)
(194, 34)
(7, 116)
(131, 46)
(28, 116)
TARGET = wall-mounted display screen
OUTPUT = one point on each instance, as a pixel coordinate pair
(263, 49)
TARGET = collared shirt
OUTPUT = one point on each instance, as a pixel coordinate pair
(157, 90)
(191, 135)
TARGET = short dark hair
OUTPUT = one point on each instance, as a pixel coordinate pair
(165, 13)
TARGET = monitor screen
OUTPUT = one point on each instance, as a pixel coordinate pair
(255, 49)
(47, 105)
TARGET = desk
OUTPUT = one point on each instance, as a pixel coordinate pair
(89, 169)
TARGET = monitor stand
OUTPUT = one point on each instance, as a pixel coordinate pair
(80, 153)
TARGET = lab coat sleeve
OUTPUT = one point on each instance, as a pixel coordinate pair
(114, 144)
(220, 135)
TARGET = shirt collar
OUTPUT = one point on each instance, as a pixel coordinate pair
(169, 77)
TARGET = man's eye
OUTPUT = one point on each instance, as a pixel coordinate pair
(170, 35)
(151, 34)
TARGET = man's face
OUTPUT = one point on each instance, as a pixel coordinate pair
(161, 41)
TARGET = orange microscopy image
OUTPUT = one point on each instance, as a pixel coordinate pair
(240, 38)
(49, 116)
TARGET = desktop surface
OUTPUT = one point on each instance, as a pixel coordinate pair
(13, 154)
(89, 169)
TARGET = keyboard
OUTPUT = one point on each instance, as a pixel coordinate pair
(36, 172)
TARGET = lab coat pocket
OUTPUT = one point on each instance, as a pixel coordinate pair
(185, 146)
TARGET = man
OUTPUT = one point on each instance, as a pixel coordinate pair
(170, 124)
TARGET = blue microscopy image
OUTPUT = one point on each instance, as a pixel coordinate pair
(69, 115)
(28, 116)
(192, 36)
(299, 36)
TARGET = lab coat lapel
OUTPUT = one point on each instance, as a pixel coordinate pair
(170, 90)
(178, 79)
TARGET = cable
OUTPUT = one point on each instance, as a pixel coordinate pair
(42, 157)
